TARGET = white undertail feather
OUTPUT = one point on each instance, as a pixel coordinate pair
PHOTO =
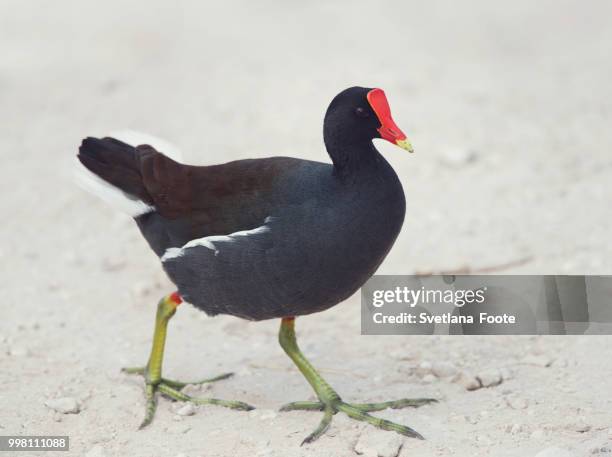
(134, 138)
(113, 195)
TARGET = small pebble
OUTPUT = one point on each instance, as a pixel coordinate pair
(73, 258)
(537, 360)
(19, 351)
(517, 403)
(113, 264)
(467, 381)
(65, 405)
(506, 373)
(490, 378)
(458, 157)
(428, 379)
(186, 410)
(443, 369)
(141, 289)
(483, 439)
(424, 368)
(263, 414)
(378, 443)
(401, 354)
(96, 451)
(514, 429)
(554, 452)
(579, 426)
(458, 418)
(267, 414)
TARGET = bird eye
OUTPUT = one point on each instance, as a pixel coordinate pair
(361, 112)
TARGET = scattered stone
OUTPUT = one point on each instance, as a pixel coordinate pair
(64, 405)
(443, 369)
(601, 450)
(506, 373)
(514, 429)
(458, 157)
(196, 390)
(141, 289)
(579, 426)
(73, 258)
(467, 381)
(471, 420)
(103, 439)
(263, 414)
(484, 439)
(54, 286)
(490, 378)
(96, 451)
(554, 452)
(401, 354)
(186, 410)
(378, 443)
(267, 414)
(113, 264)
(517, 403)
(424, 368)
(429, 378)
(537, 360)
(19, 351)
(458, 418)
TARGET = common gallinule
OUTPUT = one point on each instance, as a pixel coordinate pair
(267, 238)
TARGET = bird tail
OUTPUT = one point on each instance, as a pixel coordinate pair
(111, 170)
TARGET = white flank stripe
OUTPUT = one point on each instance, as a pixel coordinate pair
(208, 242)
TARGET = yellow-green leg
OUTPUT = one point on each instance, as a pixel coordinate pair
(330, 402)
(154, 382)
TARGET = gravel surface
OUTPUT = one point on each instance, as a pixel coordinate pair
(508, 106)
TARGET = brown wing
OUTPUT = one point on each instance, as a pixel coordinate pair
(223, 198)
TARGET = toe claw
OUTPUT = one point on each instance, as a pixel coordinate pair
(150, 407)
(321, 428)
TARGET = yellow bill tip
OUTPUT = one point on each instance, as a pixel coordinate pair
(405, 144)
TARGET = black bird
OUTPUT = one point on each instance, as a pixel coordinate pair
(267, 238)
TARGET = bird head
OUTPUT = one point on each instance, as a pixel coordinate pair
(360, 114)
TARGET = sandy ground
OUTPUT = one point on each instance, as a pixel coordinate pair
(508, 105)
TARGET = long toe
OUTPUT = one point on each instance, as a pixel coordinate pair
(394, 404)
(358, 411)
(177, 395)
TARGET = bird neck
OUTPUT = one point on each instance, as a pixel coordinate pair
(350, 157)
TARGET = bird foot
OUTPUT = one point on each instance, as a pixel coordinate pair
(358, 411)
(171, 389)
